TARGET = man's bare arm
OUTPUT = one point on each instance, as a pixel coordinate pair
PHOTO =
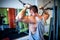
(21, 14)
(27, 19)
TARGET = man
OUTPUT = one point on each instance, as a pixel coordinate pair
(32, 20)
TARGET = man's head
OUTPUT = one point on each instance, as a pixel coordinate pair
(33, 9)
(46, 15)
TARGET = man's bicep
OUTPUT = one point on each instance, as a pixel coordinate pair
(25, 19)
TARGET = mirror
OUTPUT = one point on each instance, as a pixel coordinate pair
(22, 28)
(10, 9)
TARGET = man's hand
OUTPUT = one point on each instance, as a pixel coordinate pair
(41, 7)
(27, 6)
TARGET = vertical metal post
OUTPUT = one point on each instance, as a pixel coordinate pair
(54, 22)
(51, 27)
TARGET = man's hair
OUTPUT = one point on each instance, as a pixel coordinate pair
(34, 9)
(46, 13)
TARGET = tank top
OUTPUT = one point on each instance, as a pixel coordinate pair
(39, 31)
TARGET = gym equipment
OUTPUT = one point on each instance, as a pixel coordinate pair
(46, 5)
(11, 18)
(1, 19)
(22, 2)
(25, 3)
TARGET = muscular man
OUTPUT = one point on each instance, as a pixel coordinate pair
(32, 19)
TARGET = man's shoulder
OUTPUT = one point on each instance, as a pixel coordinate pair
(28, 17)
